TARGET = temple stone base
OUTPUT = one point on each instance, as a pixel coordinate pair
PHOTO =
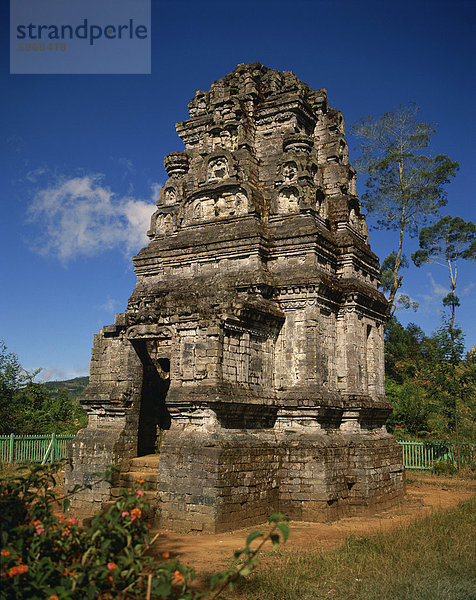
(215, 483)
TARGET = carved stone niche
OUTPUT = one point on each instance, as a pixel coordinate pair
(218, 169)
(321, 206)
(297, 142)
(287, 200)
(176, 164)
(224, 203)
(220, 166)
(357, 220)
(168, 196)
(223, 137)
(165, 224)
(289, 171)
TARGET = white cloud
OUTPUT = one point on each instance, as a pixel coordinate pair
(81, 216)
(437, 290)
(467, 289)
(430, 300)
(109, 305)
(58, 374)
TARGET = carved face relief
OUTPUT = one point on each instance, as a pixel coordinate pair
(217, 169)
(170, 196)
(164, 224)
(289, 171)
(288, 201)
(229, 205)
(353, 218)
(224, 138)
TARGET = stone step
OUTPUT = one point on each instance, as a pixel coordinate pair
(132, 477)
(145, 463)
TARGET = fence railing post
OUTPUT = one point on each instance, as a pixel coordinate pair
(11, 447)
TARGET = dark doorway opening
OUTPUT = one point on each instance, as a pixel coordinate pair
(154, 415)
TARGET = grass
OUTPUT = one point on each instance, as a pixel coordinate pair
(432, 559)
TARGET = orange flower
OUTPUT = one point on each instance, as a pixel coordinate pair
(178, 577)
(53, 597)
(71, 521)
(111, 566)
(19, 570)
(165, 554)
(136, 513)
(5, 552)
(140, 480)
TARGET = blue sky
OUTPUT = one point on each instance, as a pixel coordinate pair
(82, 155)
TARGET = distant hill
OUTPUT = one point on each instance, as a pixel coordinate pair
(73, 386)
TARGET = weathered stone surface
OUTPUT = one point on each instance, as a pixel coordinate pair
(254, 336)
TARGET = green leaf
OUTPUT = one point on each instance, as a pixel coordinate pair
(275, 539)
(277, 517)
(253, 536)
(284, 529)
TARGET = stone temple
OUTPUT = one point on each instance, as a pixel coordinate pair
(249, 361)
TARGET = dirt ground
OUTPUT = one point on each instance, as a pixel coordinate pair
(425, 493)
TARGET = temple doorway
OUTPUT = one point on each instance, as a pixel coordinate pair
(154, 416)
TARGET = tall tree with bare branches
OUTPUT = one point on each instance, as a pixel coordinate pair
(404, 187)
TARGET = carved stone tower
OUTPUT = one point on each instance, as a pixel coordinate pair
(254, 336)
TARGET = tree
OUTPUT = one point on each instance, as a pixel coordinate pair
(29, 407)
(452, 382)
(387, 277)
(404, 185)
(444, 244)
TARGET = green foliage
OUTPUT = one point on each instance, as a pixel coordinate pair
(410, 409)
(404, 185)
(431, 385)
(443, 467)
(73, 387)
(388, 269)
(449, 239)
(30, 407)
(47, 556)
(444, 244)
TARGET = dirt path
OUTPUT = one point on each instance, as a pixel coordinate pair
(424, 495)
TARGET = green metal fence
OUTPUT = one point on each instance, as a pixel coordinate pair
(424, 455)
(33, 448)
(51, 447)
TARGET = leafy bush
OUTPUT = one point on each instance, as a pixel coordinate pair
(45, 555)
(444, 467)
